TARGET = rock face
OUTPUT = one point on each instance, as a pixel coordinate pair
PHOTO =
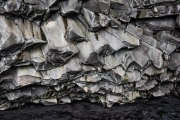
(107, 51)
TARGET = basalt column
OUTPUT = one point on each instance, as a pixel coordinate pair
(106, 51)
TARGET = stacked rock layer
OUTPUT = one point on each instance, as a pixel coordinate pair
(107, 51)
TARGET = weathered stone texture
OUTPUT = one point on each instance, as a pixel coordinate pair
(107, 51)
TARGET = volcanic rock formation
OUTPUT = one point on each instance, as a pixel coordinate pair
(107, 51)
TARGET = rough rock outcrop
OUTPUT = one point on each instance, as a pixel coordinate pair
(107, 51)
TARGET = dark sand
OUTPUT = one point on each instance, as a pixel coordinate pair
(164, 108)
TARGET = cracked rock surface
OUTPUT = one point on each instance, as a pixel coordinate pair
(106, 51)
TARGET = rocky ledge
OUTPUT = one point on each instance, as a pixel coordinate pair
(161, 108)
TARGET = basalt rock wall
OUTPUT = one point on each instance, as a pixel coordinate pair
(107, 51)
